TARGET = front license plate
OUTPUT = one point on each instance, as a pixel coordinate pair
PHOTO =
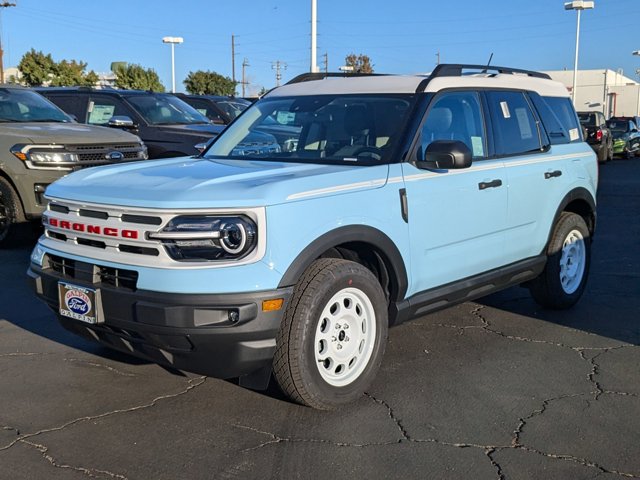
(79, 303)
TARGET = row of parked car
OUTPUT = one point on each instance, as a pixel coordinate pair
(48, 132)
(616, 136)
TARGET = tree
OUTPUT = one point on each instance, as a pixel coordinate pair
(361, 63)
(136, 77)
(36, 68)
(40, 69)
(209, 83)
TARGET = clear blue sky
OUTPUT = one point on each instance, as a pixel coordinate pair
(400, 36)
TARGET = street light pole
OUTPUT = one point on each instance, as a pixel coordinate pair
(173, 41)
(314, 36)
(577, 5)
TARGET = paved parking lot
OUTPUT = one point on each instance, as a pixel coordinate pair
(496, 388)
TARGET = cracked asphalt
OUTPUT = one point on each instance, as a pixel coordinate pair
(493, 389)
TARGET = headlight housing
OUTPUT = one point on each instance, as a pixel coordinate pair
(52, 157)
(208, 238)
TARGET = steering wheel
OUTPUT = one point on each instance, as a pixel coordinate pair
(373, 152)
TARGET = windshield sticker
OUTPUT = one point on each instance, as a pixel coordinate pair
(573, 134)
(523, 123)
(478, 147)
(505, 110)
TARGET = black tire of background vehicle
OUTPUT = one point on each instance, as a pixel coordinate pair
(547, 288)
(11, 214)
(610, 151)
(294, 363)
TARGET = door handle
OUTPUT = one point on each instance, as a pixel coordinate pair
(492, 184)
(555, 173)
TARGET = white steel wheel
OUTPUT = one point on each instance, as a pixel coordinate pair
(333, 334)
(345, 337)
(572, 261)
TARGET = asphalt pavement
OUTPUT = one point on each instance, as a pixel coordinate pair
(497, 388)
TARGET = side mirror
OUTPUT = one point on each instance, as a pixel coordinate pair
(121, 121)
(201, 147)
(446, 154)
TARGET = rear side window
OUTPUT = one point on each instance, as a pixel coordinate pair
(514, 124)
(554, 127)
(565, 112)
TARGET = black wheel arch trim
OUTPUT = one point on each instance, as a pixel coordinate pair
(579, 193)
(353, 233)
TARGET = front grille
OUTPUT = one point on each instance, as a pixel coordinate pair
(99, 154)
(70, 269)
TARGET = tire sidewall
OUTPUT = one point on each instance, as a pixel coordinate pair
(8, 200)
(345, 277)
(564, 227)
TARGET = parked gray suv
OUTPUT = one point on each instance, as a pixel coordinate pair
(39, 143)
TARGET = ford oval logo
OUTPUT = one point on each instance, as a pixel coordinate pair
(77, 301)
(115, 156)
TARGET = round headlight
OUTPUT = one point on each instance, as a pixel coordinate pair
(233, 237)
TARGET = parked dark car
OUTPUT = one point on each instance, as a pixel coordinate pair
(626, 137)
(597, 134)
(167, 125)
(219, 109)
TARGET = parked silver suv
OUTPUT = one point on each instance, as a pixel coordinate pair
(39, 143)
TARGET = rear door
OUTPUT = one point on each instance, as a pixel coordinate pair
(457, 217)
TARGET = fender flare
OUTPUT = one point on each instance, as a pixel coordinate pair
(353, 233)
(579, 193)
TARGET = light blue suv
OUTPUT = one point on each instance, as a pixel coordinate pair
(389, 197)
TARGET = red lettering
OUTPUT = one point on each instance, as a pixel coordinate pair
(53, 222)
(78, 227)
(65, 224)
(93, 229)
(110, 232)
(133, 234)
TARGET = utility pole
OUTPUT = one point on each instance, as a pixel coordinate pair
(3, 5)
(314, 35)
(233, 60)
(278, 66)
(438, 58)
(326, 62)
(245, 64)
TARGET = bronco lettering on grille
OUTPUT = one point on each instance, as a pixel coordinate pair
(93, 229)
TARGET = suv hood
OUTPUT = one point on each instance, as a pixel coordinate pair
(202, 183)
(64, 133)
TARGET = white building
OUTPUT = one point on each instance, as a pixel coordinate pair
(607, 91)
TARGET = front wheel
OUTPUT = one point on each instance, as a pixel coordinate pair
(564, 278)
(11, 214)
(333, 335)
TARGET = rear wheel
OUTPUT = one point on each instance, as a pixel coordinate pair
(333, 335)
(11, 214)
(564, 277)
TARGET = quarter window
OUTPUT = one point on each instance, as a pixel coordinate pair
(455, 116)
(515, 126)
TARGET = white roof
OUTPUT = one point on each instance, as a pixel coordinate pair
(409, 83)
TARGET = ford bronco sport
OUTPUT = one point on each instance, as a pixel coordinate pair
(395, 196)
(39, 144)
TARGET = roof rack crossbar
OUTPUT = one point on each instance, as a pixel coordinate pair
(310, 76)
(455, 70)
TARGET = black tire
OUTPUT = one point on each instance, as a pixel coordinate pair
(11, 214)
(548, 289)
(295, 364)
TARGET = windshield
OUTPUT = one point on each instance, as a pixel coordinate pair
(233, 108)
(21, 105)
(162, 109)
(358, 129)
(618, 127)
(587, 119)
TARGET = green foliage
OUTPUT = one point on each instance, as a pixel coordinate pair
(209, 83)
(136, 77)
(361, 63)
(40, 69)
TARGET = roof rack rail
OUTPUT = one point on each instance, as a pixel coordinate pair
(310, 76)
(455, 70)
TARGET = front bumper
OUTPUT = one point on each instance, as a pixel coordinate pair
(193, 333)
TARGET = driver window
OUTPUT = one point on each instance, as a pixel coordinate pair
(455, 116)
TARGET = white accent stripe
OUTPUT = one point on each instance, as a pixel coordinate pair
(339, 188)
(545, 159)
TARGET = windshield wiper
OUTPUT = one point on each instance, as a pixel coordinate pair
(43, 120)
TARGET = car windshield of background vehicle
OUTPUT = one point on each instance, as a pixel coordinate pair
(26, 106)
(166, 110)
(588, 119)
(233, 108)
(618, 127)
(343, 129)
